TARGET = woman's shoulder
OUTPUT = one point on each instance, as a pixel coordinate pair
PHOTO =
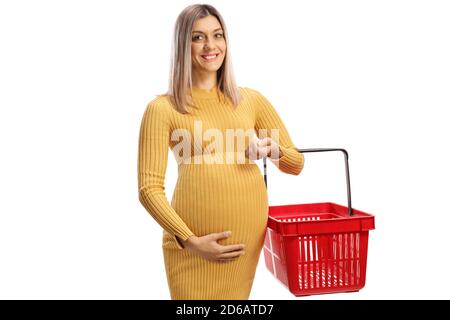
(250, 92)
(247, 90)
(159, 107)
(160, 102)
(253, 95)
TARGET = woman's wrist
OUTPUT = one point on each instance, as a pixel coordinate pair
(189, 241)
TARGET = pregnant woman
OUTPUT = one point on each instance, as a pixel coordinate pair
(215, 225)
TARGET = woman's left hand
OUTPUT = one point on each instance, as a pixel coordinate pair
(266, 147)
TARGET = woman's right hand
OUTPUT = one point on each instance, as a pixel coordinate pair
(208, 248)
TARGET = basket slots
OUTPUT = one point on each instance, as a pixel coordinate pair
(318, 262)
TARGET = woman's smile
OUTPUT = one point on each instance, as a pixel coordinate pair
(210, 57)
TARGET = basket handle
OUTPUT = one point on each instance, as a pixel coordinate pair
(347, 173)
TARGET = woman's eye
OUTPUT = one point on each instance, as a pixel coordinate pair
(200, 37)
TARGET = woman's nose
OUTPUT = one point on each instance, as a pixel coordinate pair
(209, 44)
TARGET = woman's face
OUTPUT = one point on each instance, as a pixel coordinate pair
(208, 45)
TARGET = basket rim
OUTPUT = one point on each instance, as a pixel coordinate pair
(334, 218)
(356, 212)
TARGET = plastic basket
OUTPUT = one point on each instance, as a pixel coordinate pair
(318, 248)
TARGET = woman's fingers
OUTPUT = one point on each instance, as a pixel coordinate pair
(230, 256)
(252, 149)
(269, 148)
(265, 142)
(262, 148)
(262, 151)
(232, 247)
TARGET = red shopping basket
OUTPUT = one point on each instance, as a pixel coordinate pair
(318, 248)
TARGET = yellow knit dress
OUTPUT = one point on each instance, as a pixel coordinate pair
(209, 196)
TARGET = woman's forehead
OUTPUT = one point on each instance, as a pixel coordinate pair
(207, 23)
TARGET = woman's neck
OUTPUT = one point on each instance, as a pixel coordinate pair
(204, 80)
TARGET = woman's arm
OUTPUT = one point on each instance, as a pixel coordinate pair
(290, 160)
(152, 162)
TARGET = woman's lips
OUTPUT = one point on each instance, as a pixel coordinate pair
(210, 57)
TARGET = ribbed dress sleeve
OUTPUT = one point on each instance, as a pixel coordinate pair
(152, 163)
(291, 161)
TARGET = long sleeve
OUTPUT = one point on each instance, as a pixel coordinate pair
(152, 163)
(267, 118)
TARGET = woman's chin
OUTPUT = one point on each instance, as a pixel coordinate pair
(207, 69)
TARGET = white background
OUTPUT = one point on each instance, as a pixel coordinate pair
(75, 77)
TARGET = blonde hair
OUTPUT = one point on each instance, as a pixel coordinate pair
(180, 79)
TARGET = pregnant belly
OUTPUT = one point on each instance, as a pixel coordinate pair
(215, 198)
